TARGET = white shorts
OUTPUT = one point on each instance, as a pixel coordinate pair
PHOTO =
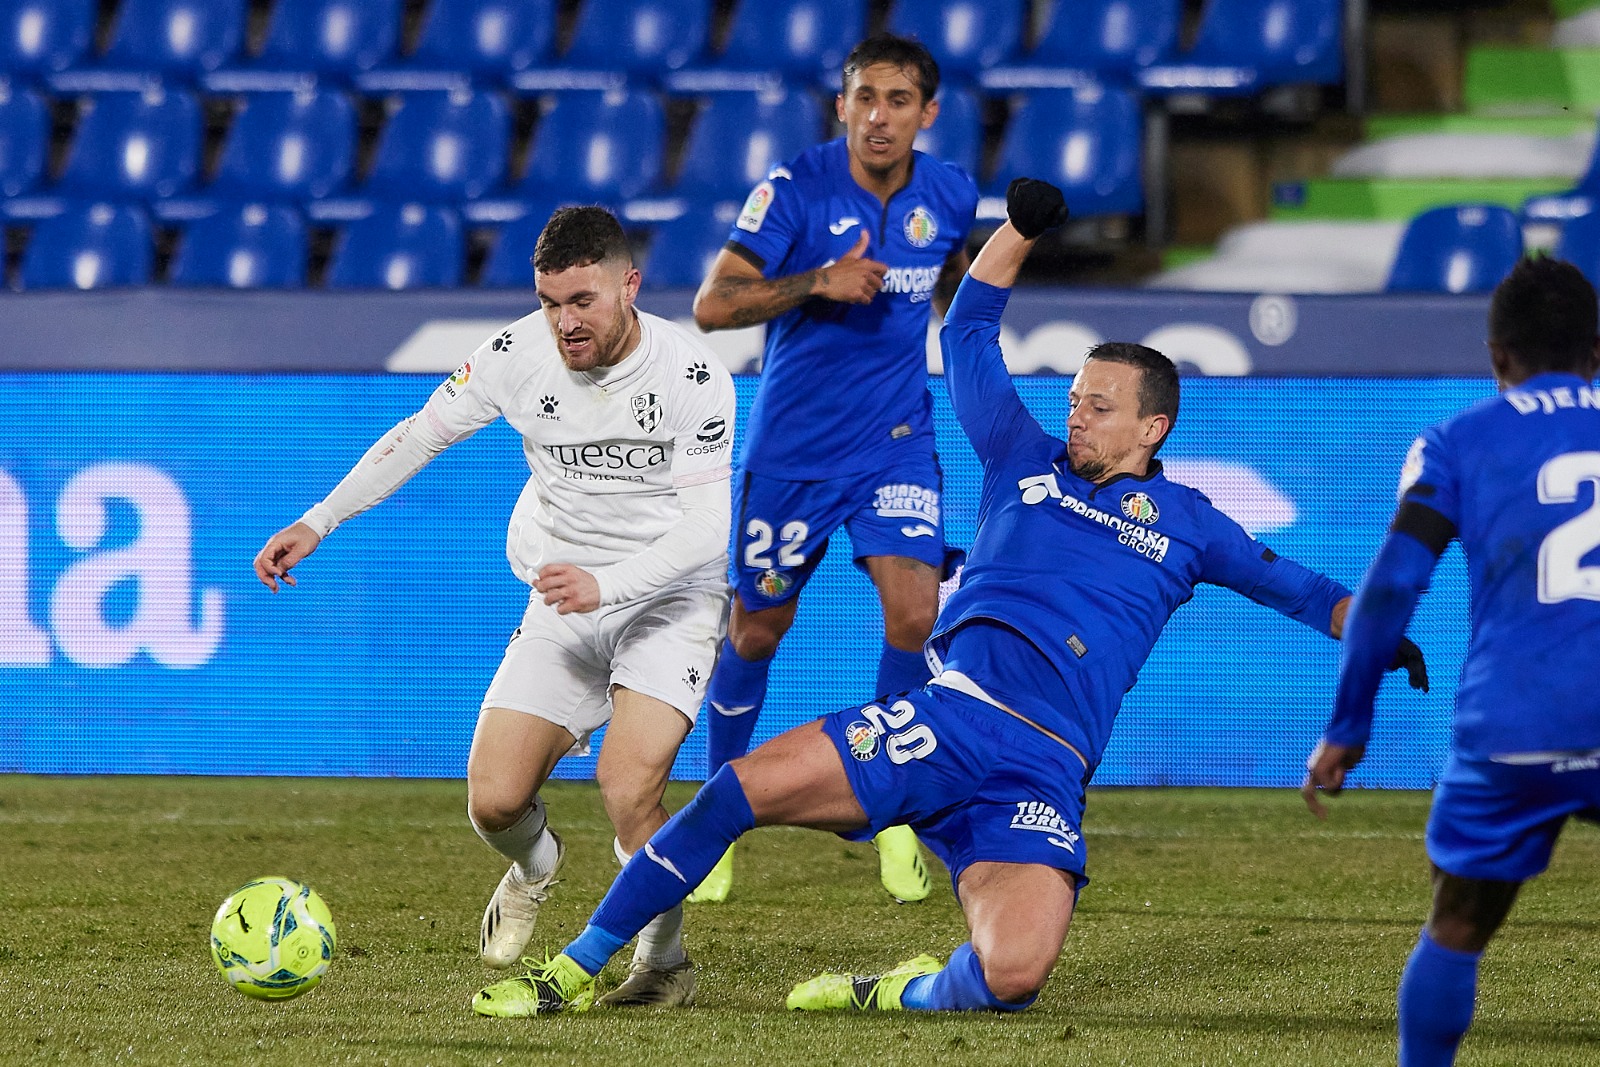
(562, 667)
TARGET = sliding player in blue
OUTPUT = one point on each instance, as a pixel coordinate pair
(1517, 480)
(1083, 551)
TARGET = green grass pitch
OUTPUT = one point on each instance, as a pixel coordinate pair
(1222, 927)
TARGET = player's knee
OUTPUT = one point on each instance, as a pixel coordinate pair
(492, 811)
(1016, 978)
(908, 627)
(754, 641)
(630, 801)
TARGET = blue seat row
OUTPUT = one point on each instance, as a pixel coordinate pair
(1470, 248)
(1241, 46)
(450, 147)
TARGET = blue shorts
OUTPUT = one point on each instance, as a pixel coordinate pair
(782, 527)
(975, 783)
(1500, 822)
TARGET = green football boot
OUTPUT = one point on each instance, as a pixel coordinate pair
(900, 866)
(849, 992)
(718, 884)
(552, 985)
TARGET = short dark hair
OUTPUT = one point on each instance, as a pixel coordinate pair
(907, 53)
(1544, 313)
(1158, 379)
(579, 236)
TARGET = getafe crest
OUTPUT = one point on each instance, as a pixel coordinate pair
(646, 411)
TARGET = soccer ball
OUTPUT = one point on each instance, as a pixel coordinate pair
(273, 938)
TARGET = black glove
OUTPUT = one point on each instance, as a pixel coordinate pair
(1034, 206)
(1409, 657)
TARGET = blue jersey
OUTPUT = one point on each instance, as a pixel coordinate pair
(1068, 584)
(1517, 479)
(841, 383)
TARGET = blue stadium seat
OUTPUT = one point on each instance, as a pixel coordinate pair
(1582, 199)
(39, 37)
(487, 38)
(398, 246)
(89, 246)
(134, 145)
(643, 37)
(24, 139)
(1579, 244)
(441, 146)
(965, 36)
(288, 146)
(334, 37)
(1087, 141)
(1243, 46)
(597, 146)
(737, 137)
(509, 264)
(956, 136)
(243, 246)
(1094, 40)
(803, 40)
(177, 37)
(1461, 248)
(682, 251)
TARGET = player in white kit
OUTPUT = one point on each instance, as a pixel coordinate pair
(621, 530)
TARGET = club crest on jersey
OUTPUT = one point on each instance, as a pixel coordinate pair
(773, 585)
(919, 227)
(862, 739)
(646, 411)
(457, 382)
(755, 208)
(1140, 508)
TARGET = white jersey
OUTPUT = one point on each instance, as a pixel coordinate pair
(609, 450)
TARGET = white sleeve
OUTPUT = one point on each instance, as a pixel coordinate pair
(388, 465)
(699, 537)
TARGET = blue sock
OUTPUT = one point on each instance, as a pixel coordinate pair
(733, 703)
(1437, 994)
(959, 987)
(900, 671)
(675, 860)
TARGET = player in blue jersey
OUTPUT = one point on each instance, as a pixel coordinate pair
(842, 251)
(1083, 552)
(1517, 480)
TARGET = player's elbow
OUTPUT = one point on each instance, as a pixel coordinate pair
(710, 312)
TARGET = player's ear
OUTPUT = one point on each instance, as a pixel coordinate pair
(838, 106)
(930, 111)
(1504, 365)
(630, 285)
(1155, 429)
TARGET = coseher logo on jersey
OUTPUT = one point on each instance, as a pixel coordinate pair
(919, 227)
(1042, 818)
(1140, 508)
(646, 411)
(755, 208)
(862, 739)
(457, 382)
(712, 435)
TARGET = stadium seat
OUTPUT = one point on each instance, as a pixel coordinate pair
(1581, 199)
(39, 37)
(965, 36)
(1243, 46)
(287, 146)
(1094, 40)
(441, 146)
(598, 146)
(487, 38)
(398, 246)
(737, 137)
(134, 145)
(89, 246)
(681, 251)
(509, 264)
(801, 39)
(1461, 248)
(956, 136)
(333, 37)
(243, 246)
(177, 37)
(645, 38)
(1087, 141)
(1579, 244)
(24, 139)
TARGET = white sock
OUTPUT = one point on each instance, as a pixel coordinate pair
(527, 842)
(661, 941)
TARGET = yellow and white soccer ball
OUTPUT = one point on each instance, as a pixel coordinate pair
(273, 939)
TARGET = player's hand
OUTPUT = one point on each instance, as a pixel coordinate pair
(852, 279)
(1034, 206)
(1325, 771)
(283, 550)
(568, 588)
(1408, 657)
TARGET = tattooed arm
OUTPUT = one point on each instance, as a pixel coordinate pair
(735, 294)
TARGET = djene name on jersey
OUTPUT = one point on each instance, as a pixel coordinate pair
(1529, 401)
